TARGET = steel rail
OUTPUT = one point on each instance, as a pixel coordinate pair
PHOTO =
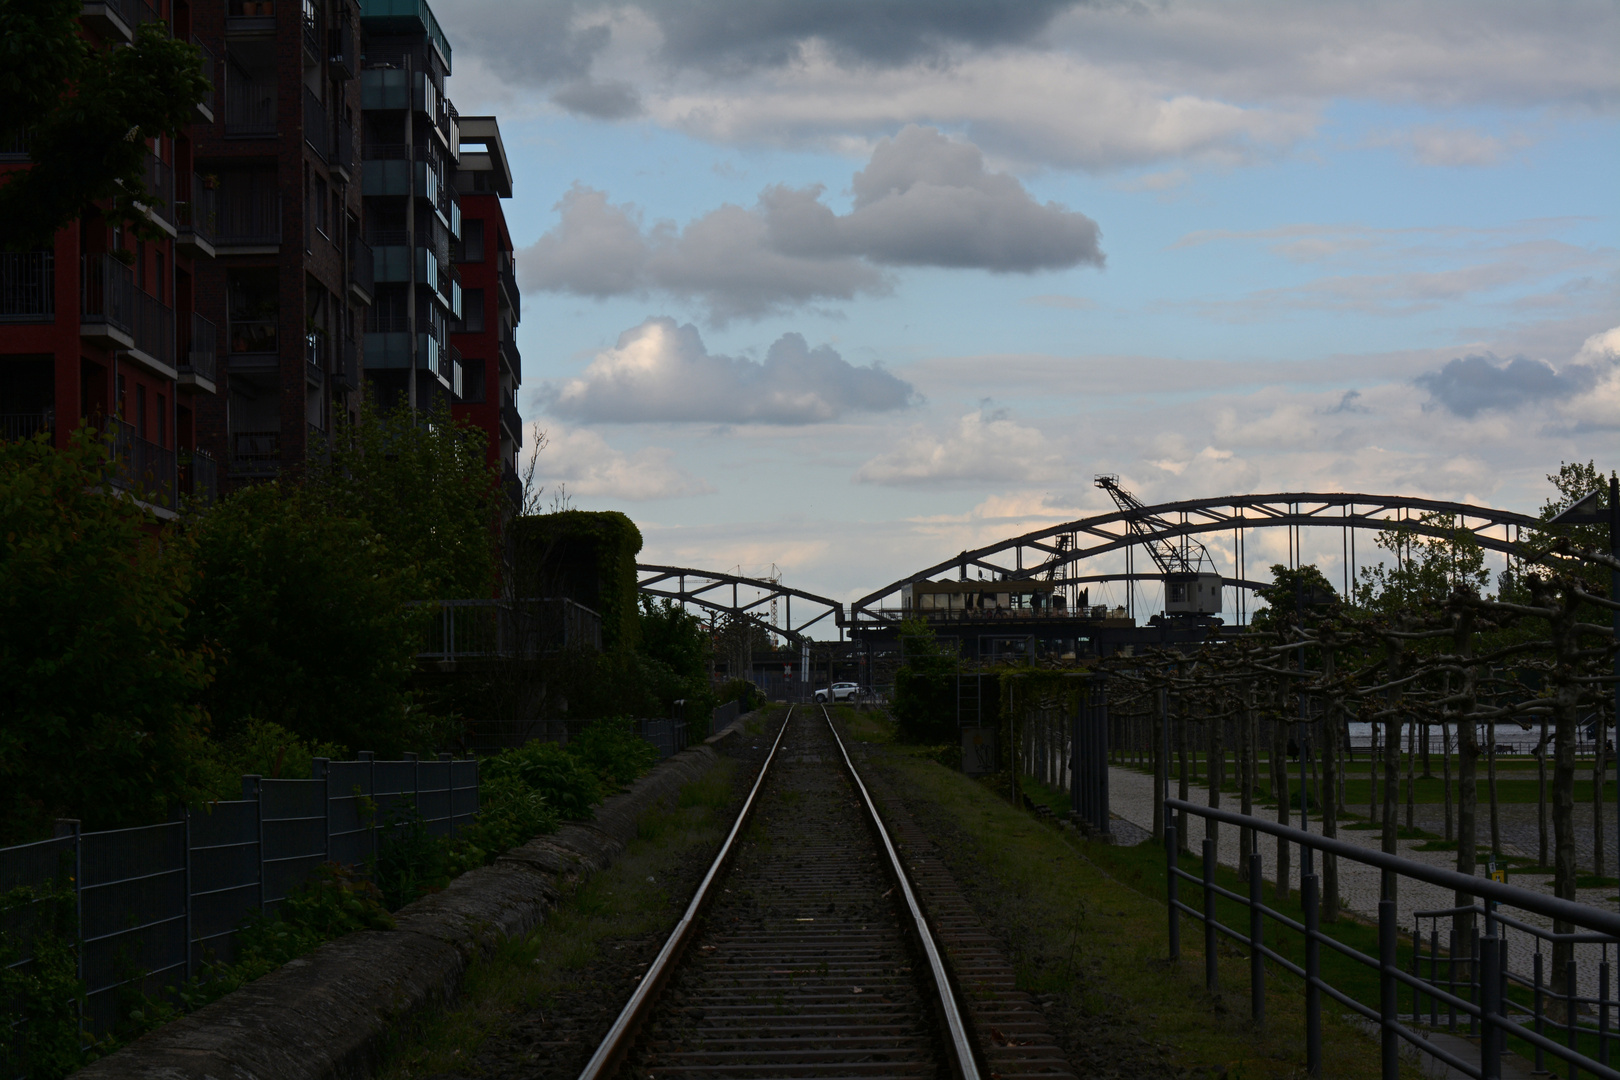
(613, 1048)
(961, 1045)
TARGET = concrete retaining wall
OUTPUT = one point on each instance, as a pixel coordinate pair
(325, 1015)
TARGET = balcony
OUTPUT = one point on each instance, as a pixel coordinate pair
(388, 340)
(341, 53)
(114, 20)
(249, 213)
(386, 169)
(312, 31)
(511, 360)
(405, 17)
(250, 16)
(317, 127)
(346, 373)
(362, 271)
(250, 108)
(27, 286)
(509, 286)
(452, 367)
(159, 179)
(342, 156)
(199, 477)
(144, 469)
(210, 65)
(106, 302)
(255, 453)
(252, 345)
(154, 335)
(316, 347)
(385, 83)
(510, 419)
(14, 427)
(197, 368)
(14, 147)
(196, 216)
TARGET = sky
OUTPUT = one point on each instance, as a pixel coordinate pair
(839, 289)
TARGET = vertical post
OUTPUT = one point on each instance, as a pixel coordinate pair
(1212, 973)
(1257, 941)
(185, 815)
(1490, 1042)
(321, 768)
(1451, 980)
(1571, 1012)
(1540, 1013)
(1473, 979)
(250, 792)
(1102, 758)
(1311, 901)
(1603, 1008)
(1172, 884)
(1389, 1041)
(370, 758)
(449, 792)
(1434, 972)
(1614, 593)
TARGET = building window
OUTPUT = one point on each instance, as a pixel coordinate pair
(472, 241)
(254, 308)
(472, 311)
(322, 201)
(472, 381)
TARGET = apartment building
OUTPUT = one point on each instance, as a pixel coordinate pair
(309, 218)
(486, 335)
(102, 327)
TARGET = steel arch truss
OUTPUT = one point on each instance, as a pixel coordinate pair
(711, 590)
(1059, 552)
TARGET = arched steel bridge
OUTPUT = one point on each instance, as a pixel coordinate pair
(710, 589)
(1058, 551)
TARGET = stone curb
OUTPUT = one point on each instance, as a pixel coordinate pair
(328, 1015)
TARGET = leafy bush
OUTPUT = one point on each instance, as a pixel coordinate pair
(614, 750)
(39, 1000)
(510, 813)
(410, 861)
(567, 784)
(744, 691)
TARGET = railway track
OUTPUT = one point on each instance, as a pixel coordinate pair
(804, 952)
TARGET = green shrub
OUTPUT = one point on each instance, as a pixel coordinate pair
(567, 784)
(744, 691)
(510, 813)
(614, 751)
(410, 861)
(39, 1015)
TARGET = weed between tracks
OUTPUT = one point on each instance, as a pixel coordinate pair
(579, 965)
(1086, 930)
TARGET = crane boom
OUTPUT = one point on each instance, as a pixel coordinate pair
(1182, 556)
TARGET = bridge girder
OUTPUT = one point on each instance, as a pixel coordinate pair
(692, 586)
(1101, 534)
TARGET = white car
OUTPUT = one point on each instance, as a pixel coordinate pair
(841, 691)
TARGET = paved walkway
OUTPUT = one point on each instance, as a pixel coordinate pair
(1131, 797)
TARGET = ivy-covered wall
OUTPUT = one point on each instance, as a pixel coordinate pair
(589, 557)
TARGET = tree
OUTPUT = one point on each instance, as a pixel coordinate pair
(98, 715)
(677, 649)
(311, 616)
(86, 115)
(423, 484)
(925, 686)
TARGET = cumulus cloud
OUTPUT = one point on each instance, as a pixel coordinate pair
(922, 200)
(612, 100)
(1469, 385)
(1450, 147)
(584, 463)
(660, 371)
(983, 446)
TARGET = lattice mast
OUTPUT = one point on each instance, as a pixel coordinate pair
(1183, 555)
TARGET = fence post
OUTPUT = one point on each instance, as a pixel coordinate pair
(250, 792)
(370, 758)
(1490, 1004)
(1603, 1007)
(1257, 941)
(1540, 1014)
(1212, 972)
(1310, 900)
(321, 770)
(449, 792)
(1389, 1041)
(1171, 885)
(185, 815)
(1572, 1012)
(72, 827)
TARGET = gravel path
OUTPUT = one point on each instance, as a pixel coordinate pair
(1131, 797)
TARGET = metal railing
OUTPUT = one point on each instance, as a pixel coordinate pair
(317, 126)
(156, 902)
(197, 211)
(342, 156)
(199, 477)
(14, 147)
(143, 468)
(160, 186)
(210, 65)
(17, 426)
(154, 328)
(106, 292)
(375, 151)
(511, 358)
(252, 449)
(508, 275)
(249, 213)
(510, 417)
(347, 371)
(312, 28)
(1477, 982)
(27, 286)
(250, 106)
(363, 265)
(508, 629)
(202, 348)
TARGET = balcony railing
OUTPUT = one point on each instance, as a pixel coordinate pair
(202, 350)
(347, 373)
(154, 328)
(210, 64)
(143, 467)
(160, 187)
(510, 418)
(342, 156)
(317, 128)
(250, 107)
(106, 292)
(197, 212)
(17, 426)
(316, 347)
(381, 323)
(27, 286)
(245, 15)
(363, 266)
(253, 336)
(14, 147)
(199, 477)
(254, 451)
(312, 28)
(510, 287)
(510, 357)
(249, 214)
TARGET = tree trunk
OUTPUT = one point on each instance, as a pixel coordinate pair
(1330, 805)
(1423, 734)
(1279, 792)
(1541, 796)
(1373, 760)
(1597, 798)
(1490, 787)
(1392, 767)
(1445, 766)
(1411, 762)
(1181, 751)
(1467, 755)
(1246, 771)
(1161, 767)
(1214, 767)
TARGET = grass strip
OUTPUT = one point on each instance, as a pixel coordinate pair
(561, 961)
